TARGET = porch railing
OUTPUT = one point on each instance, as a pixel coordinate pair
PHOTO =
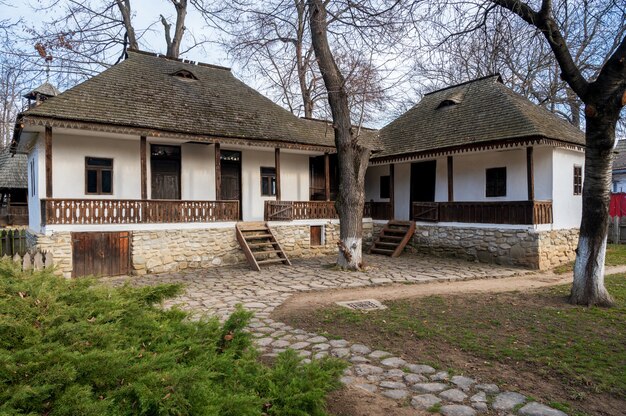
(15, 213)
(502, 212)
(313, 210)
(133, 211)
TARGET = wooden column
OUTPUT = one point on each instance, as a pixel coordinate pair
(392, 193)
(450, 179)
(327, 176)
(218, 173)
(144, 167)
(530, 173)
(277, 167)
(48, 155)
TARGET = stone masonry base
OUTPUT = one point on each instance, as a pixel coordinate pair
(516, 247)
(173, 250)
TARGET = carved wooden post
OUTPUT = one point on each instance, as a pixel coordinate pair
(450, 179)
(530, 174)
(48, 157)
(327, 176)
(218, 173)
(144, 168)
(277, 167)
(392, 192)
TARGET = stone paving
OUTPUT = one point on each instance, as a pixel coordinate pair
(216, 291)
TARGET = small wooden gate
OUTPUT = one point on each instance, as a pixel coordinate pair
(101, 254)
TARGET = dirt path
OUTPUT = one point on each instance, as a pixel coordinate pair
(316, 300)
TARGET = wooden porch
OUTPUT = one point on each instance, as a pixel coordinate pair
(15, 213)
(313, 210)
(502, 212)
(133, 211)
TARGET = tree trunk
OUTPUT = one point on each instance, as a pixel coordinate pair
(588, 287)
(124, 7)
(352, 157)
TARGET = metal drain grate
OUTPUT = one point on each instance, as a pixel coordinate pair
(362, 305)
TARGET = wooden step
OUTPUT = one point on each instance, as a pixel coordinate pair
(266, 252)
(257, 236)
(247, 232)
(377, 250)
(385, 243)
(271, 261)
(263, 244)
(393, 238)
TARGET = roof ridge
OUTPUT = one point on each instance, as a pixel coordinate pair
(465, 83)
(181, 60)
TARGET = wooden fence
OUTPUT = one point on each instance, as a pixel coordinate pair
(13, 241)
(33, 260)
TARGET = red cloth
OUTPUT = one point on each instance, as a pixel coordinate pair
(618, 205)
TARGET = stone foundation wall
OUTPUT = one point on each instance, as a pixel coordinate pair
(173, 250)
(515, 247)
(557, 247)
(60, 245)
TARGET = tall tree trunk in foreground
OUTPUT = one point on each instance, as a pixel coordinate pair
(352, 156)
(588, 287)
(603, 99)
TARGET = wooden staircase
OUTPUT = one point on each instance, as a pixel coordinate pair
(259, 245)
(393, 238)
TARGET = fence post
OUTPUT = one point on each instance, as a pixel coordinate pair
(616, 229)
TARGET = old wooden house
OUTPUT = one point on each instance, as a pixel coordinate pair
(158, 165)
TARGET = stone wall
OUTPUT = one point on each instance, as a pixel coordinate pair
(60, 245)
(173, 250)
(557, 247)
(515, 247)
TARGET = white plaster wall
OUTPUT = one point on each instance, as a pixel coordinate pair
(68, 161)
(469, 175)
(372, 182)
(542, 165)
(294, 176)
(402, 191)
(34, 201)
(294, 179)
(197, 172)
(441, 180)
(566, 207)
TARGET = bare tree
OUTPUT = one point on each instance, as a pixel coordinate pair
(173, 43)
(273, 39)
(502, 43)
(604, 96)
(352, 155)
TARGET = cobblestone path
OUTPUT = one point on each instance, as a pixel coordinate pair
(216, 291)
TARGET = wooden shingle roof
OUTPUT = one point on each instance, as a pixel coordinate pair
(13, 172)
(473, 113)
(146, 91)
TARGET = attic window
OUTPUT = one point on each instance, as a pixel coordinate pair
(446, 103)
(452, 100)
(184, 74)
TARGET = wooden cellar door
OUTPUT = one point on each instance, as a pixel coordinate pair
(100, 254)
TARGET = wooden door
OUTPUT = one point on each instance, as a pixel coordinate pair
(100, 254)
(423, 178)
(165, 171)
(230, 162)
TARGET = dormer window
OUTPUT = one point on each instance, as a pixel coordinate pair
(446, 103)
(452, 100)
(184, 74)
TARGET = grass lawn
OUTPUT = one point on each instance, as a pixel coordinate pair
(571, 357)
(71, 347)
(615, 256)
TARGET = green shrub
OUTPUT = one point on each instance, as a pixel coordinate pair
(72, 347)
